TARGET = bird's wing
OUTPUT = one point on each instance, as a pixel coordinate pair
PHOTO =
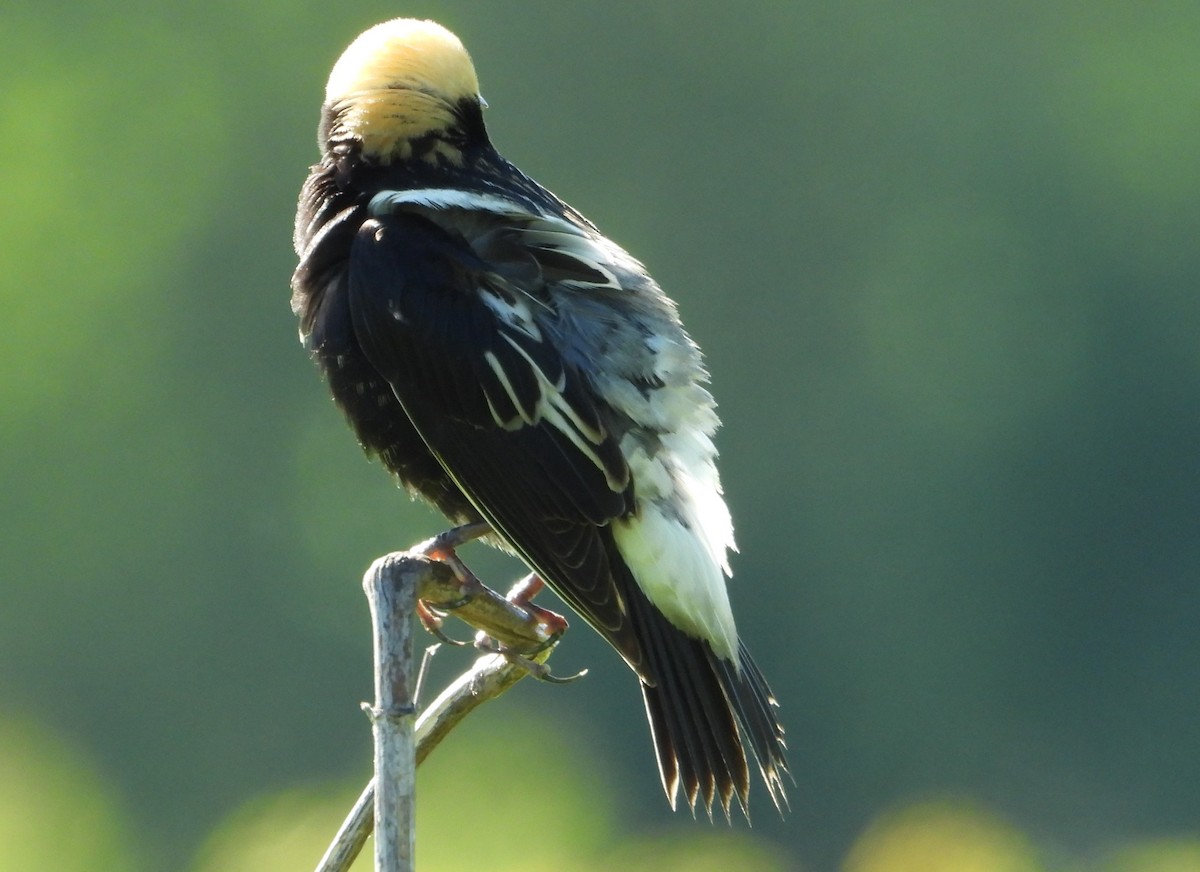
(512, 422)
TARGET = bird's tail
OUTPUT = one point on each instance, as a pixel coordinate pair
(710, 718)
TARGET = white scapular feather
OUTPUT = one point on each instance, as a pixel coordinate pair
(445, 198)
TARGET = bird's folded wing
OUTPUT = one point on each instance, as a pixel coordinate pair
(512, 423)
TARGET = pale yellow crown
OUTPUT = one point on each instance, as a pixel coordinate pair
(397, 81)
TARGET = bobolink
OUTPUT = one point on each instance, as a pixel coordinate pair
(513, 366)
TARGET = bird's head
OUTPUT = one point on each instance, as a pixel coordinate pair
(401, 87)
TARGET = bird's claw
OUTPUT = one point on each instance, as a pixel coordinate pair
(542, 672)
(552, 623)
(442, 546)
(433, 623)
(525, 660)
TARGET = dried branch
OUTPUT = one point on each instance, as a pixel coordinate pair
(391, 587)
(522, 630)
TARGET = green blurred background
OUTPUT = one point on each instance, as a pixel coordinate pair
(943, 260)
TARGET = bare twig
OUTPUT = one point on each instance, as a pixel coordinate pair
(350, 838)
(522, 630)
(391, 588)
(492, 675)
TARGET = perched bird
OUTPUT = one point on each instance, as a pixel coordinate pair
(513, 366)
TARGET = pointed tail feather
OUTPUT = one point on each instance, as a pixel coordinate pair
(709, 718)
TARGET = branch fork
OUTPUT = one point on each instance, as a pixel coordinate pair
(518, 637)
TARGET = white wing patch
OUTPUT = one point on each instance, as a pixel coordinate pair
(550, 406)
(566, 239)
(515, 314)
(386, 202)
(539, 230)
(673, 567)
(677, 542)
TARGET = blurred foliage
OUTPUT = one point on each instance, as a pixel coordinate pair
(941, 837)
(1158, 856)
(56, 812)
(283, 831)
(526, 803)
(942, 260)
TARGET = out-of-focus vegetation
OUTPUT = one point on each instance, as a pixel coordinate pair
(943, 261)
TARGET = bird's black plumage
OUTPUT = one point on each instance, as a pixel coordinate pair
(511, 365)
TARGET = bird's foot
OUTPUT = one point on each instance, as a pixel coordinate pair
(549, 625)
(525, 660)
(525, 630)
(521, 595)
(442, 549)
